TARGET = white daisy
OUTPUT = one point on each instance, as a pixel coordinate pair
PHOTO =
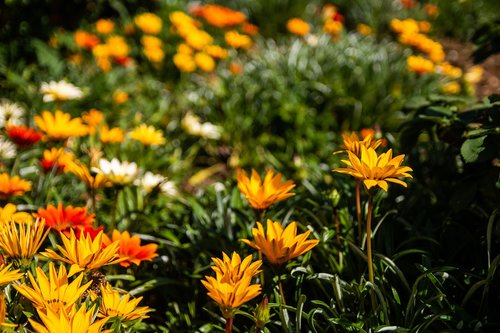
(120, 173)
(193, 126)
(60, 91)
(149, 181)
(10, 113)
(7, 149)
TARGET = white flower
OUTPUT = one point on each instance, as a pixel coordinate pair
(60, 91)
(169, 188)
(7, 149)
(120, 173)
(193, 126)
(149, 181)
(10, 113)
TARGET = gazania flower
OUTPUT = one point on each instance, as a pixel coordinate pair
(113, 135)
(280, 245)
(232, 286)
(20, 241)
(353, 144)
(22, 135)
(8, 150)
(10, 113)
(237, 40)
(298, 26)
(60, 126)
(149, 181)
(104, 26)
(72, 321)
(147, 135)
(88, 230)
(219, 16)
(85, 253)
(262, 194)
(149, 23)
(93, 118)
(376, 170)
(60, 91)
(11, 187)
(9, 212)
(53, 292)
(63, 219)
(7, 275)
(115, 304)
(82, 171)
(130, 248)
(193, 126)
(55, 158)
(120, 173)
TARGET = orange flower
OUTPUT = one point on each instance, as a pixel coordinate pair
(235, 68)
(249, 28)
(120, 96)
(260, 194)
(149, 23)
(205, 62)
(93, 118)
(353, 144)
(219, 16)
(11, 187)
(419, 65)
(104, 26)
(431, 9)
(130, 248)
(22, 135)
(55, 157)
(298, 26)
(408, 4)
(60, 126)
(65, 218)
(113, 135)
(86, 40)
(237, 40)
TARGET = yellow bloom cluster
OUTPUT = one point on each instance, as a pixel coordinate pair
(149, 23)
(153, 48)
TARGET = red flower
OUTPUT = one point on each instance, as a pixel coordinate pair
(130, 247)
(65, 218)
(23, 136)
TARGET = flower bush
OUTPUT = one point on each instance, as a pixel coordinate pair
(128, 130)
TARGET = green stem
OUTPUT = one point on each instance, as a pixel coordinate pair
(280, 286)
(358, 210)
(229, 325)
(369, 247)
(113, 210)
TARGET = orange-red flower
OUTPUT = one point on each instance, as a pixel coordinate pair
(219, 16)
(86, 40)
(55, 158)
(11, 187)
(130, 247)
(63, 219)
(22, 135)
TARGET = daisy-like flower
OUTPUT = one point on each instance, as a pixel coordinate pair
(280, 245)
(147, 135)
(72, 321)
(60, 91)
(353, 144)
(376, 170)
(93, 118)
(113, 135)
(22, 135)
(119, 173)
(9, 212)
(93, 182)
(262, 194)
(63, 219)
(232, 285)
(7, 275)
(11, 187)
(60, 126)
(20, 241)
(55, 158)
(149, 181)
(193, 126)
(85, 253)
(115, 304)
(130, 248)
(7, 149)
(53, 292)
(10, 113)
(169, 188)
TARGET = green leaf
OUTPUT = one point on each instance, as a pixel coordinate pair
(471, 148)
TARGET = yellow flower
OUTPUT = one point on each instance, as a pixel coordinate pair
(298, 26)
(93, 118)
(155, 55)
(81, 171)
(9, 212)
(117, 46)
(120, 96)
(215, 51)
(149, 23)
(150, 42)
(364, 29)
(333, 27)
(353, 144)
(278, 245)
(85, 254)
(419, 65)
(147, 135)
(72, 321)
(21, 240)
(7, 276)
(104, 26)
(451, 88)
(114, 304)
(237, 40)
(474, 74)
(205, 62)
(113, 135)
(11, 187)
(184, 62)
(53, 292)
(449, 70)
(60, 126)
(232, 285)
(376, 170)
(198, 39)
(185, 49)
(263, 194)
